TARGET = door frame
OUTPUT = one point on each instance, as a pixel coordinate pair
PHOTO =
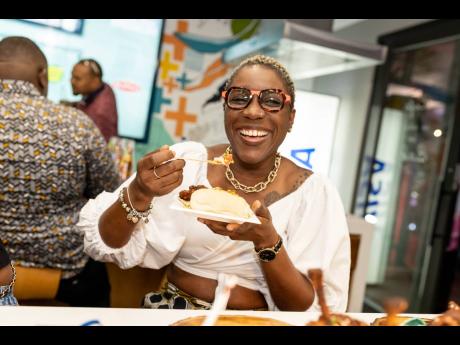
(441, 215)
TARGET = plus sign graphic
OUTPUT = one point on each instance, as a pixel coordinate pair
(183, 80)
(180, 116)
(296, 155)
(159, 100)
(170, 85)
(178, 45)
(167, 65)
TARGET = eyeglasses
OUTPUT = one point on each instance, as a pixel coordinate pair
(271, 100)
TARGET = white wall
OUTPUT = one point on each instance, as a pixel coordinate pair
(354, 90)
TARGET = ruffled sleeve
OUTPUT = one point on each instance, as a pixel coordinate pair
(151, 245)
(318, 238)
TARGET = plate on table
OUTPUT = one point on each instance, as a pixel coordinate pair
(226, 218)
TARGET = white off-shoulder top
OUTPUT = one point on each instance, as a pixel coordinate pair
(311, 221)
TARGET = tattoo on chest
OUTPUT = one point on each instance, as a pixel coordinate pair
(274, 196)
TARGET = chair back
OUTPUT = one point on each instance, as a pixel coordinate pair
(360, 239)
(34, 284)
(128, 287)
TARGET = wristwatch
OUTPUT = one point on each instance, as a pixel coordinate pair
(269, 254)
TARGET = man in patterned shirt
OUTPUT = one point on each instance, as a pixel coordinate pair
(52, 160)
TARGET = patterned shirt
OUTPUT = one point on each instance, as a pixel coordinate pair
(52, 160)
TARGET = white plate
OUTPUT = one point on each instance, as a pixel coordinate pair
(178, 206)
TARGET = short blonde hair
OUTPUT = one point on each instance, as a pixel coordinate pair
(271, 63)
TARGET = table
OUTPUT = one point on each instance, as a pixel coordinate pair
(73, 316)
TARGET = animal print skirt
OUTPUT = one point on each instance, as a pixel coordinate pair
(171, 297)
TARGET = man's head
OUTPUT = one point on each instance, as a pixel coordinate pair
(86, 77)
(22, 59)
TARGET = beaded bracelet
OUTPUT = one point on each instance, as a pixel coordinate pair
(133, 214)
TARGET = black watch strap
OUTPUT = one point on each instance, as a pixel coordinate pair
(276, 248)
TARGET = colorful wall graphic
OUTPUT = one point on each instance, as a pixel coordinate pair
(187, 103)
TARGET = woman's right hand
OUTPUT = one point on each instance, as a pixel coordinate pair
(155, 177)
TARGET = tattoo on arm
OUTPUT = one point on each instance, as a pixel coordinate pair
(301, 180)
(274, 196)
(271, 197)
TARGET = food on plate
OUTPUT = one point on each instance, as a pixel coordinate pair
(185, 195)
(232, 320)
(393, 307)
(451, 317)
(225, 159)
(327, 318)
(216, 200)
(401, 320)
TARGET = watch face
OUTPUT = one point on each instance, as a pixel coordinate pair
(267, 255)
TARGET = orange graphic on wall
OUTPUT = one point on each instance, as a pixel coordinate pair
(181, 117)
(216, 70)
(170, 85)
(179, 46)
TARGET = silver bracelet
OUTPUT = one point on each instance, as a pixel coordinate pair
(133, 214)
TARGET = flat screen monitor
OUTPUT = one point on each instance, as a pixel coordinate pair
(126, 49)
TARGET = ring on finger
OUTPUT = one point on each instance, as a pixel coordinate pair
(155, 173)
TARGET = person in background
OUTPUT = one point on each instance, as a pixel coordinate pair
(52, 160)
(98, 100)
(7, 277)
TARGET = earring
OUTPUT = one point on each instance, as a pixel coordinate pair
(290, 129)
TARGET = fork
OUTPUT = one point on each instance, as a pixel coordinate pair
(208, 161)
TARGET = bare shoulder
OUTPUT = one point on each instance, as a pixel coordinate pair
(292, 177)
(296, 175)
(216, 150)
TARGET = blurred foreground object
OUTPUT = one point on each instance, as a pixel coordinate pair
(122, 151)
(449, 318)
(326, 318)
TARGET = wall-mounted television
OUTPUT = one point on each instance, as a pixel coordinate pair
(127, 50)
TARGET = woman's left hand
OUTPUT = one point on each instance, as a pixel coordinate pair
(262, 235)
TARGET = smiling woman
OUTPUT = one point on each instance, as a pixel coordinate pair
(302, 220)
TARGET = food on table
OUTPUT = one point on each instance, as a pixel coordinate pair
(451, 317)
(327, 318)
(232, 320)
(393, 307)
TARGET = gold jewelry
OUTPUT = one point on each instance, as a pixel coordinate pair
(134, 215)
(11, 284)
(259, 186)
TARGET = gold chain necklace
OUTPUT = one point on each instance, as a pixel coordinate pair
(259, 186)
